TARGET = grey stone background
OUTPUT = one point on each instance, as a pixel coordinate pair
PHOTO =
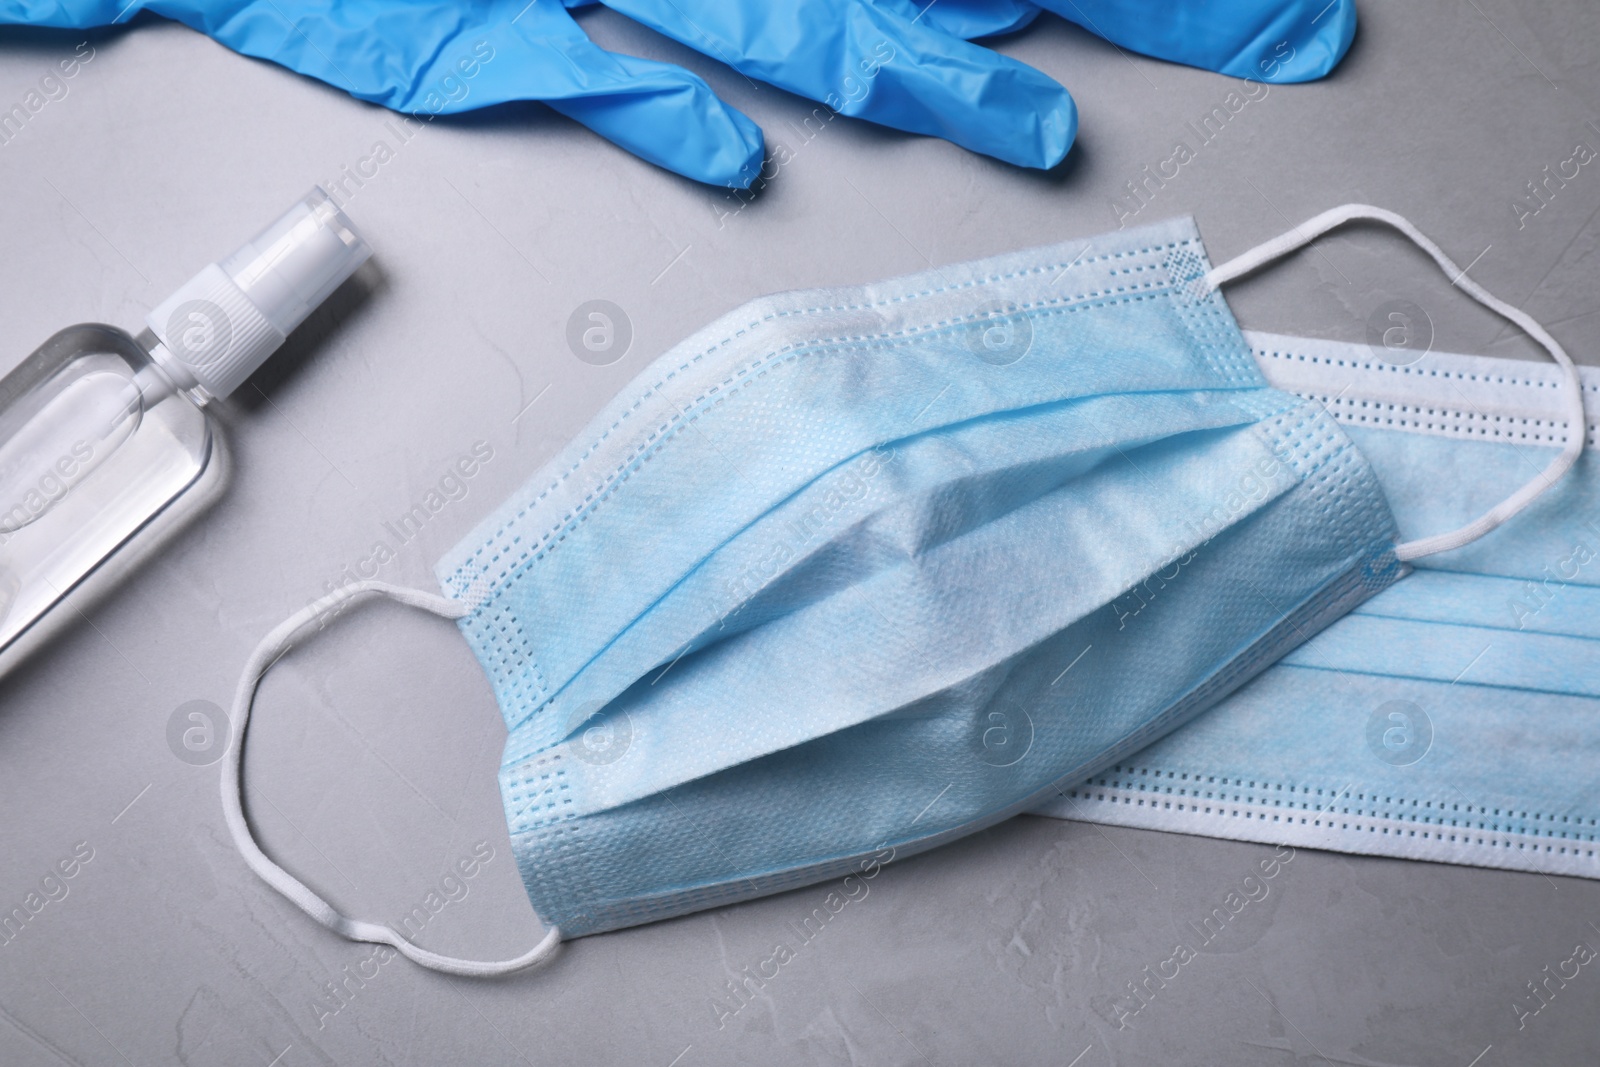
(372, 762)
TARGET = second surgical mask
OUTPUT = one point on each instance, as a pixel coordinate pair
(1452, 717)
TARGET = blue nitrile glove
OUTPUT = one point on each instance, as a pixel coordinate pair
(1266, 40)
(879, 60)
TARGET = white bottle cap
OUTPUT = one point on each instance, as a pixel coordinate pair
(221, 325)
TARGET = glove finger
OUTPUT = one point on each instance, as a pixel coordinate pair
(967, 94)
(434, 58)
(667, 116)
(661, 113)
(1266, 40)
(870, 62)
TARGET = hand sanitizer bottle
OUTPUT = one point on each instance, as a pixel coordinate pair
(106, 447)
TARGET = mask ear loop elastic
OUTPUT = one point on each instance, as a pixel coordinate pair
(1577, 427)
(272, 647)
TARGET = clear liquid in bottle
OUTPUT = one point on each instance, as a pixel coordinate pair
(96, 443)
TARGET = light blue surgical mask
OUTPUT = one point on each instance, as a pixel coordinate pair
(1453, 717)
(757, 626)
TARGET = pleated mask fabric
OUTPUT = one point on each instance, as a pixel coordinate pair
(1454, 717)
(755, 624)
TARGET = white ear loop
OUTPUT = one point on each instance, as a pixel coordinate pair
(274, 645)
(1577, 429)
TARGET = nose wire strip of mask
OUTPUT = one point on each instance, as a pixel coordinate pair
(272, 647)
(1315, 227)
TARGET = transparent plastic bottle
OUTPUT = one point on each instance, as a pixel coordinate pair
(105, 443)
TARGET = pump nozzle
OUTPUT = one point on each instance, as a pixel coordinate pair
(221, 325)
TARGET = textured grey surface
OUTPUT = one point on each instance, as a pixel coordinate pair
(374, 753)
